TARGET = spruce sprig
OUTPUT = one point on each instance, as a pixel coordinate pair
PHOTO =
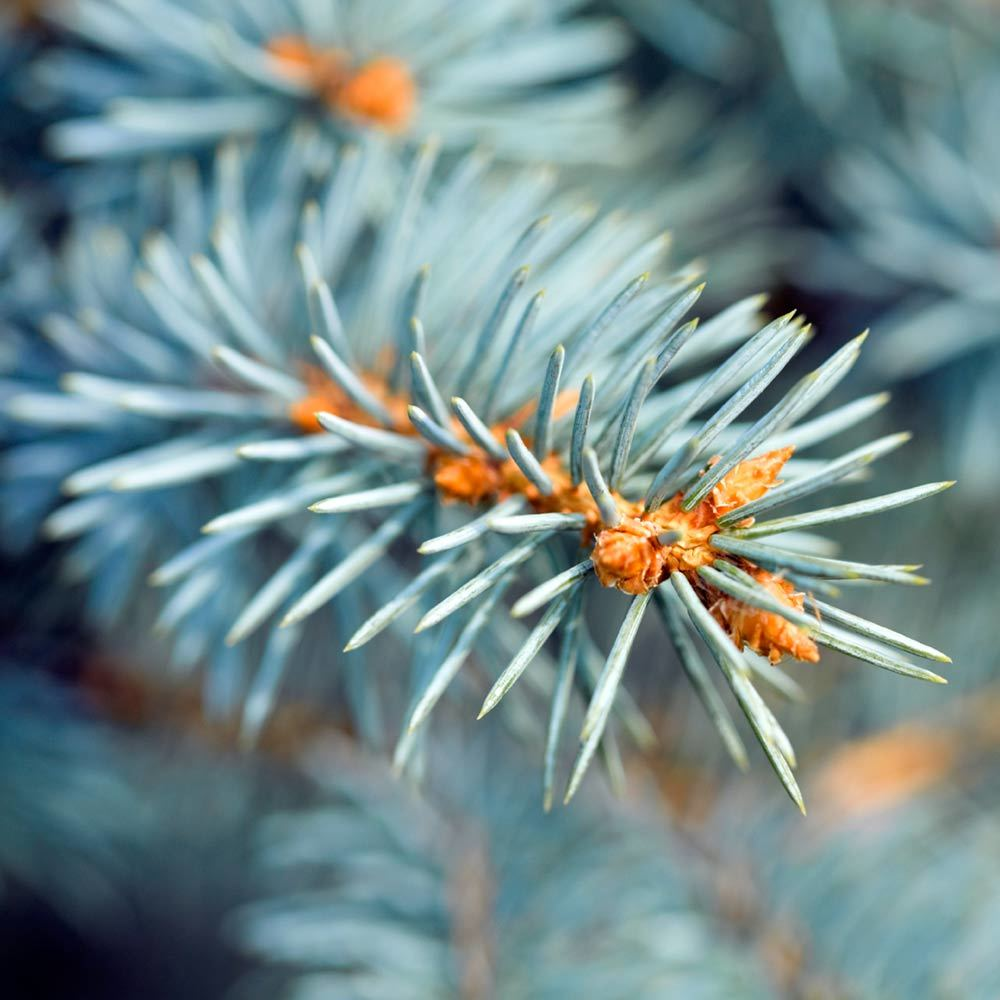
(451, 406)
(536, 81)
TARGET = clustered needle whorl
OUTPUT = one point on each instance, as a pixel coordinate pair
(816, 76)
(371, 891)
(420, 386)
(533, 80)
(923, 217)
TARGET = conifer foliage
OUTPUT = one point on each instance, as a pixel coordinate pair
(432, 391)
(357, 382)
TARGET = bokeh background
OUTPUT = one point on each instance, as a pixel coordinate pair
(841, 155)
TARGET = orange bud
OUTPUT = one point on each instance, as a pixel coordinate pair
(628, 556)
(765, 632)
(748, 481)
(470, 479)
(382, 92)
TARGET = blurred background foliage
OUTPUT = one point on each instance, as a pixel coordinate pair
(842, 154)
